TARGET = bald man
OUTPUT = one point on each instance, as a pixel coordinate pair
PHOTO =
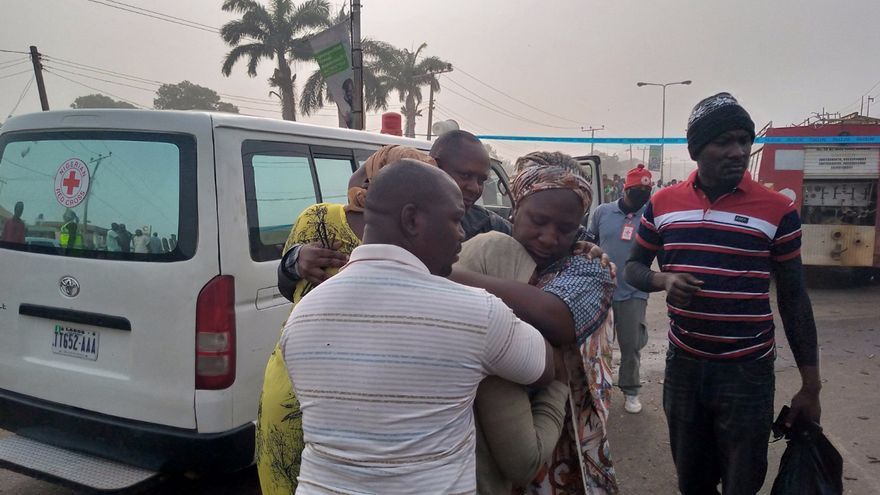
(386, 356)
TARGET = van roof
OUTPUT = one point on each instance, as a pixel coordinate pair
(154, 119)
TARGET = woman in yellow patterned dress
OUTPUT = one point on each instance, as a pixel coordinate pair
(279, 439)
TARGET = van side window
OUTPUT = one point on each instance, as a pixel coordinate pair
(279, 185)
(333, 175)
(99, 194)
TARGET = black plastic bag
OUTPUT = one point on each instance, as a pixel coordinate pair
(810, 464)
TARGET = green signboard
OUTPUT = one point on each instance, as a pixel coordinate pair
(333, 60)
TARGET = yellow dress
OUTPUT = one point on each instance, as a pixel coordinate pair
(279, 421)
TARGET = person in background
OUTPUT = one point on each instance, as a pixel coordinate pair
(124, 239)
(388, 407)
(113, 238)
(14, 229)
(155, 245)
(721, 236)
(614, 227)
(657, 187)
(69, 235)
(141, 242)
(172, 242)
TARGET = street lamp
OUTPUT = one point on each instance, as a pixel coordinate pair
(663, 117)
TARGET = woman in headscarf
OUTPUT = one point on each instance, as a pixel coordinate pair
(522, 443)
(279, 439)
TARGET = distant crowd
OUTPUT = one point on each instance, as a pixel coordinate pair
(69, 234)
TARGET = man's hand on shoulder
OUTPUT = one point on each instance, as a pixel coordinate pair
(593, 251)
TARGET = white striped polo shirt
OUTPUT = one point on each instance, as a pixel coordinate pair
(385, 360)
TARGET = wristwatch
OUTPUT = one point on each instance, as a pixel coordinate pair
(289, 262)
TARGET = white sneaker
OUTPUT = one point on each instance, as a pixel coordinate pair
(632, 405)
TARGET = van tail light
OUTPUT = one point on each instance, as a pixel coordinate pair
(215, 334)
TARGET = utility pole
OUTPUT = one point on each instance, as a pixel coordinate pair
(868, 110)
(97, 161)
(592, 131)
(431, 98)
(38, 75)
(357, 64)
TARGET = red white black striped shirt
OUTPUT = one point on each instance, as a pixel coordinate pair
(730, 245)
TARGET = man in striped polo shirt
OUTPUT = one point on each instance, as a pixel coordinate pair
(386, 356)
(720, 236)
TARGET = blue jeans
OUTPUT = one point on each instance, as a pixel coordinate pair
(719, 417)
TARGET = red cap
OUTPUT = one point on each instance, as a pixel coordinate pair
(639, 176)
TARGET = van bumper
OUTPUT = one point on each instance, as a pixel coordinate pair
(146, 445)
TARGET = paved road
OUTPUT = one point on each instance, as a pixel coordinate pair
(849, 333)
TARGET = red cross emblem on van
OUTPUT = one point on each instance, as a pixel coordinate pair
(72, 182)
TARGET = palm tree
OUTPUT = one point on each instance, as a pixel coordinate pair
(386, 69)
(277, 34)
(405, 73)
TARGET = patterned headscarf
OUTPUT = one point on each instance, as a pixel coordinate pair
(535, 176)
(357, 196)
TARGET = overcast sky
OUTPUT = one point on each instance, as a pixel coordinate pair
(578, 60)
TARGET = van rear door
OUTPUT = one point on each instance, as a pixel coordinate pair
(98, 300)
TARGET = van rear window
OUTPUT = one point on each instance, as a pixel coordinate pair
(99, 194)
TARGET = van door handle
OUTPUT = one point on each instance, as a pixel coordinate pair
(75, 316)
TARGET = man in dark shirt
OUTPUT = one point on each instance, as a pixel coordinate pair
(720, 236)
(461, 155)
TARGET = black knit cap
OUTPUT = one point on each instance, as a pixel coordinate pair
(714, 116)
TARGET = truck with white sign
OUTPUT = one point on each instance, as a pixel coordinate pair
(834, 185)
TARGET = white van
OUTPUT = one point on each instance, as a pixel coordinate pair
(150, 352)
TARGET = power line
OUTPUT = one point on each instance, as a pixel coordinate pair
(859, 99)
(151, 90)
(459, 69)
(16, 74)
(14, 51)
(13, 63)
(96, 89)
(167, 18)
(505, 113)
(21, 97)
(107, 72)
(133, 78)
(163, 15)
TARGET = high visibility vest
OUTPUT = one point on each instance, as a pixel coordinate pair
(64, 238)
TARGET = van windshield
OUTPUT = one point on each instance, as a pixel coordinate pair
(118, 195)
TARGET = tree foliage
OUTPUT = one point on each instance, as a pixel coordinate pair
(188, 96)
(277, 33)
(406, 73)
(99, 101)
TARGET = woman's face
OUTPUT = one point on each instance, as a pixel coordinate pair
(546, 224)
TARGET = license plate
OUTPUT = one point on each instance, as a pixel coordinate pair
(74, 342)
